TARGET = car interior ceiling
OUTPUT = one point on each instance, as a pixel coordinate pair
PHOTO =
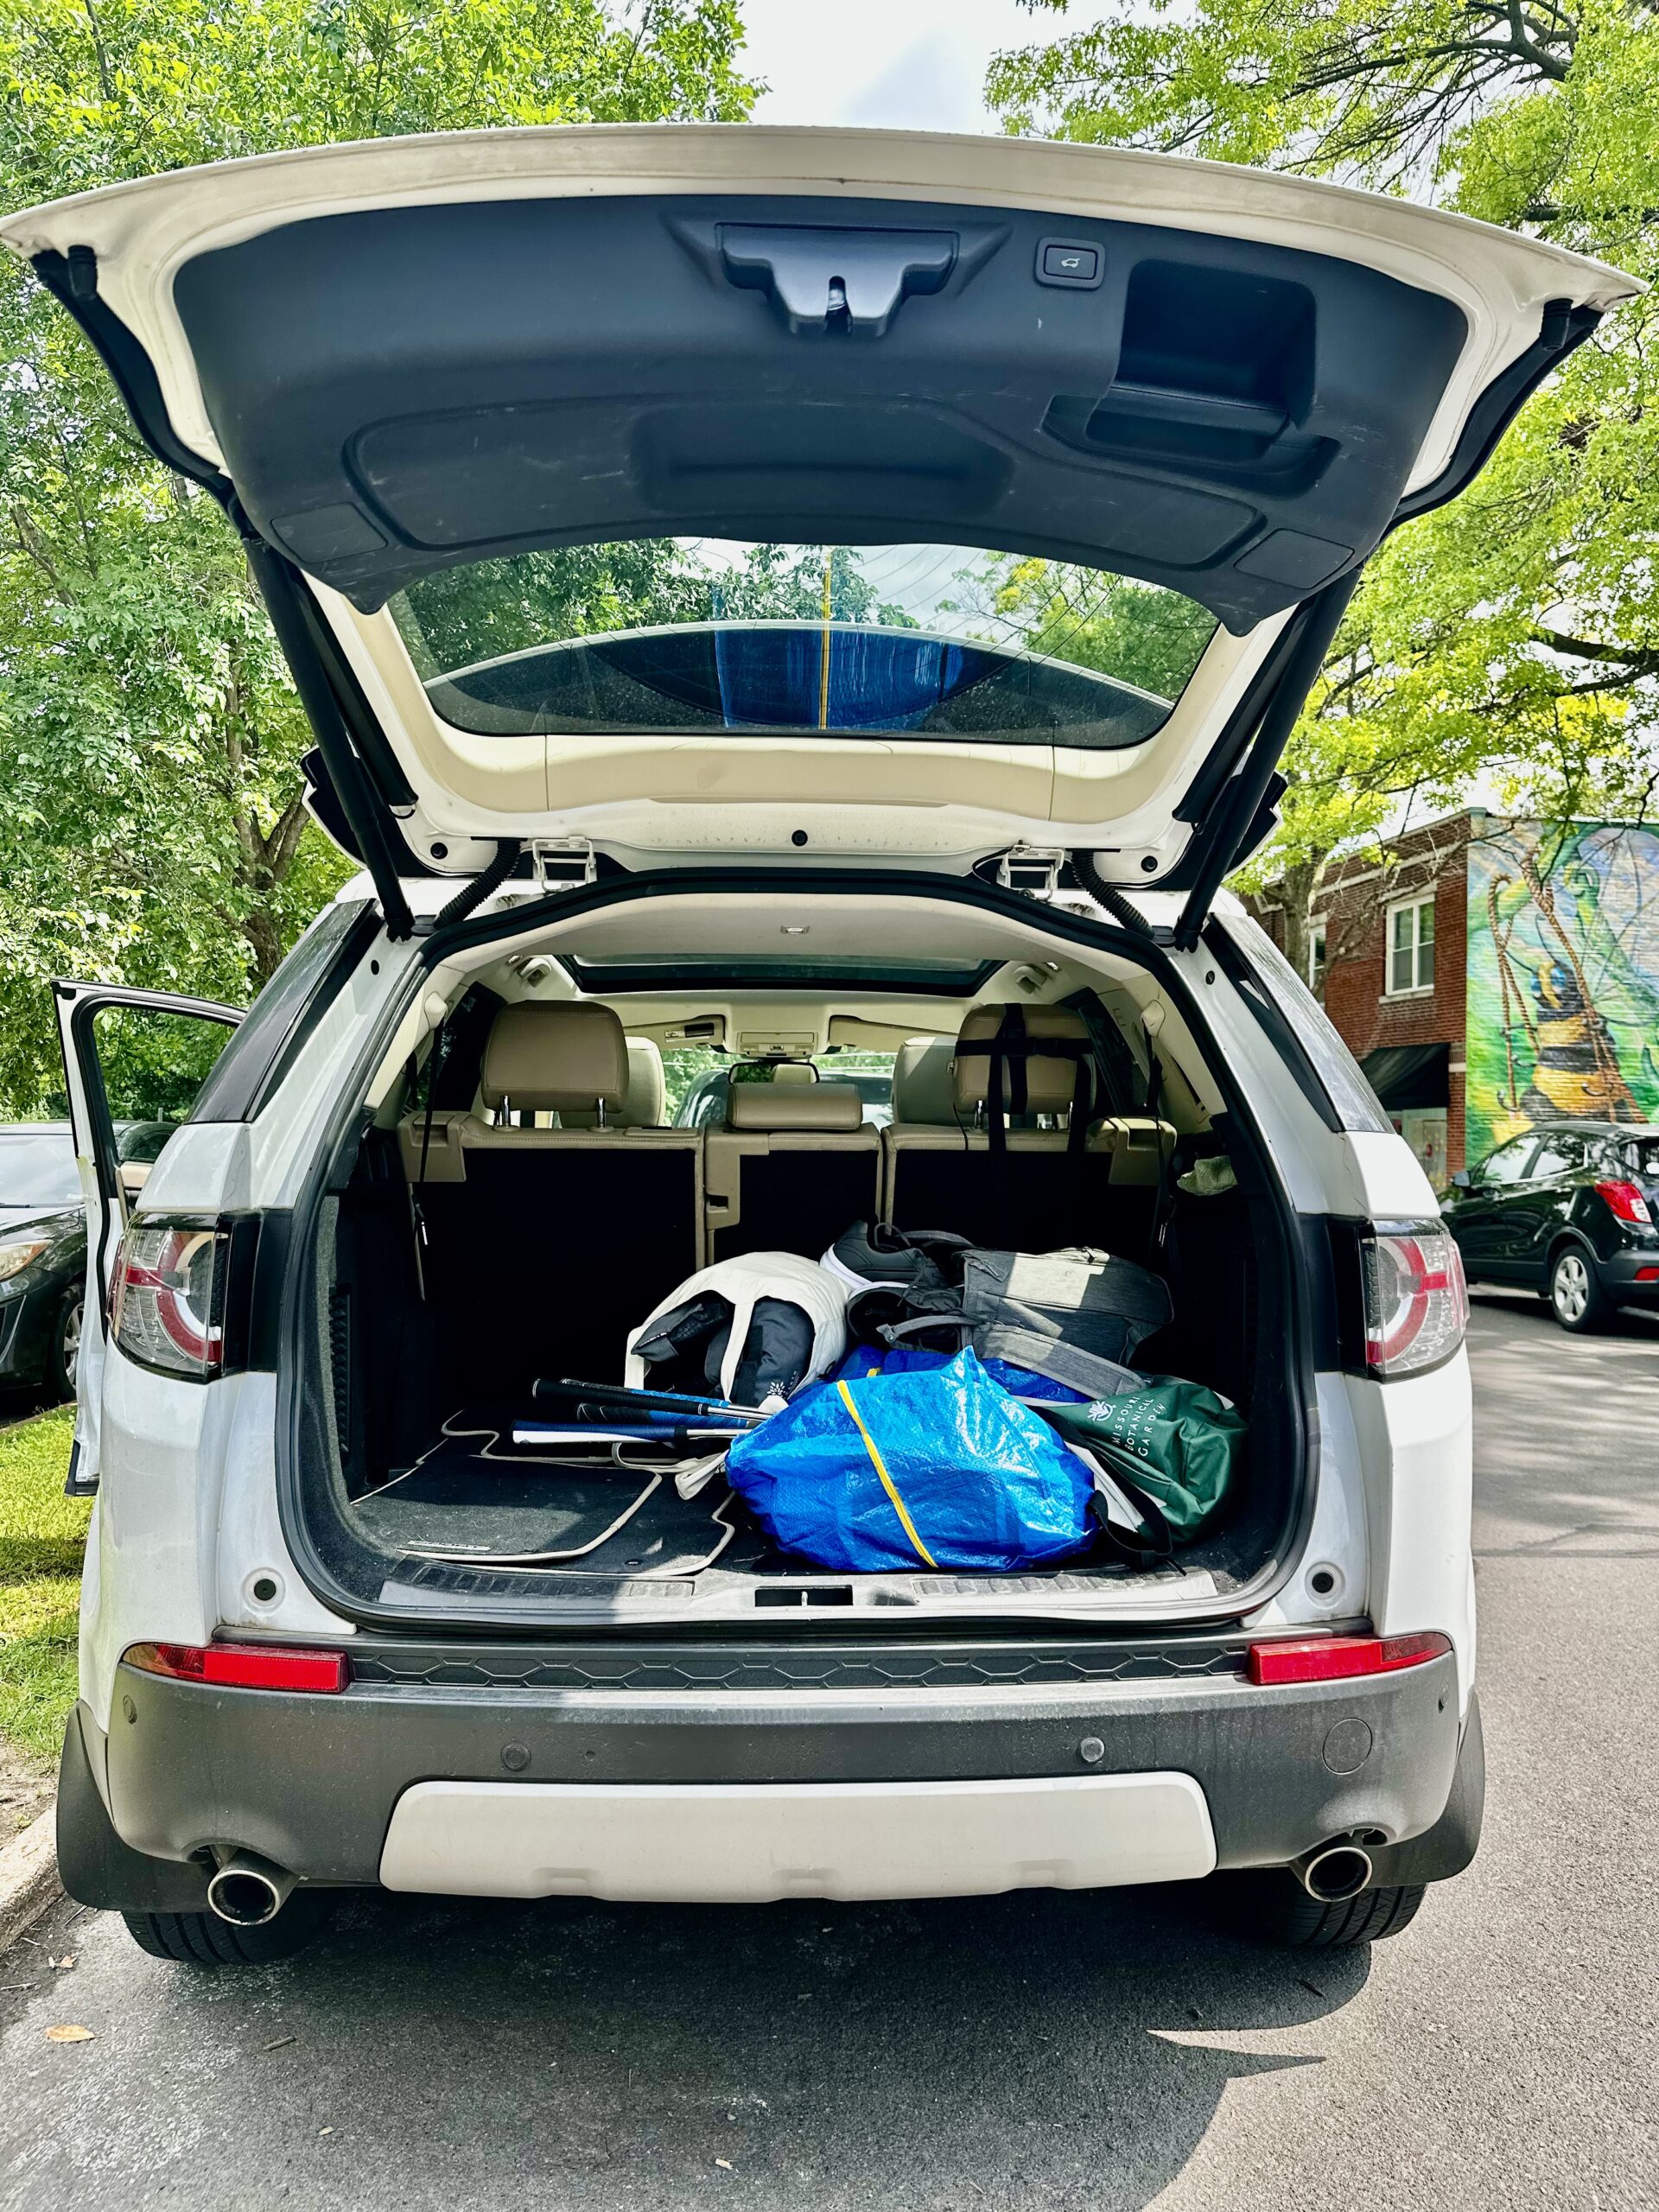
(521, 1198)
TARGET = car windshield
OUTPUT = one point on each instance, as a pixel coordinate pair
(689, 635)
(37, 1169)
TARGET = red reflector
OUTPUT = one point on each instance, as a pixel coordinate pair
(1647, 1274)
(243, 1666)
(1338, 1658)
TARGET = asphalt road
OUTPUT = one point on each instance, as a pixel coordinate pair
(1038, 2050)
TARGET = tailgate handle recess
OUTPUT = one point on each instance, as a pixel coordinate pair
(841, 280)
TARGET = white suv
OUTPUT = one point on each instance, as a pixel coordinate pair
(766, 595)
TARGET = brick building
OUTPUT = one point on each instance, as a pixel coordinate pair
(1488, 974)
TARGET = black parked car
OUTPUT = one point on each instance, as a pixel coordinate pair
(1570, 1211)
(43, 1246)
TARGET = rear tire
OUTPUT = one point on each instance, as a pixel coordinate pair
(202, 1939)
(1576, 1297)
(1273, 1907)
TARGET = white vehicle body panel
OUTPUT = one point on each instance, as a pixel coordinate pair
(748, 1844)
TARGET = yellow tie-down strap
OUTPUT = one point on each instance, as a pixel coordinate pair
(887, 1483)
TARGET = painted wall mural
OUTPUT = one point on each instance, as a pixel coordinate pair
(1563, 978)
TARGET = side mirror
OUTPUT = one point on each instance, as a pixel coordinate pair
(1463, 1180)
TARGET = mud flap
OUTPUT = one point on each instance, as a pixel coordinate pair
(94, 1866)
(1447, 1847)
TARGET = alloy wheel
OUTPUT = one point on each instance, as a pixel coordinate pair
(70, 1342)
(1570, 1288)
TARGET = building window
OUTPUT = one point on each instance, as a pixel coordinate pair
(1316, 958)
(1411, 947)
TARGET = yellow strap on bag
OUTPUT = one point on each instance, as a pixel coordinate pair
(888, 1484)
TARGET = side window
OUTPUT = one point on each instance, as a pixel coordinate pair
(153, 1062)
(1508, 1164)
(1557, 1155)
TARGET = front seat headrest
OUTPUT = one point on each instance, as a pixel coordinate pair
(794, 1106)
(922, 1086)
(555, 1056)
(1051, 1080)
(642, 1101)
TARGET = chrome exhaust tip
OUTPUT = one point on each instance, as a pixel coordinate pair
(248, 1891)
(1334, 1871)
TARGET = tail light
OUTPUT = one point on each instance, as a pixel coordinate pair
(168, 1294)
(1416, 1301)
(1340, 1658)
(243, 1666)
(1625, 1202)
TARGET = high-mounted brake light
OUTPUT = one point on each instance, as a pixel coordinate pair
(243, 1666)
(1340, 1658)
(1416, 1301)
(1625, 1202)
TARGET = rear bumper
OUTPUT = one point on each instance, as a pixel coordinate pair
(316, 1783)
(1618, 1275)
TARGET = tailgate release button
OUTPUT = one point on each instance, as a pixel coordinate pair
(1068, 261)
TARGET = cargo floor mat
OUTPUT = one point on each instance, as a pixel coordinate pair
(669, 1536)
(465, 1502)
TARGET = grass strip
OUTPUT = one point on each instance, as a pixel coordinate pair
(42, 1536)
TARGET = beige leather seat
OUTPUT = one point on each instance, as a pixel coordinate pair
(795, 1165)
(546, 1245)
(1040, 1194)
(643, 1100)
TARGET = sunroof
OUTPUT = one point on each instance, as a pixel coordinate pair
(742, 971)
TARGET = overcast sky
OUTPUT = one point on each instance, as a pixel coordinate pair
(915, 64)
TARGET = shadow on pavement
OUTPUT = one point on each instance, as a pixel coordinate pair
(1549, 1487)
(1023, 2049)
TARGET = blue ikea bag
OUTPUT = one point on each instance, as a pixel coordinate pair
(939, 1468)
(865, 1360)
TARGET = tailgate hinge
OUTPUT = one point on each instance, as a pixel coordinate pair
(562, 863)
(1034, 869)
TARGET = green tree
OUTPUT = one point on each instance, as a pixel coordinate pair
(1140, 633)
(1513, 636)
(154, 830)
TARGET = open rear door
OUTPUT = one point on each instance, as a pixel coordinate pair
(680, 495)
(133, 1063)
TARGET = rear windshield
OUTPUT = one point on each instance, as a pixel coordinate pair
(686, 635)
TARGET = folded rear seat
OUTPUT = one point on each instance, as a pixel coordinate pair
(795, 1164)
(544, 1246)
(1039, 1191)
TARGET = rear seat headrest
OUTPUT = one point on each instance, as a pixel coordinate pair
(644, 1100)
(795, 1106)
(923, 1085)
(1050, 1081)
(555, 1056)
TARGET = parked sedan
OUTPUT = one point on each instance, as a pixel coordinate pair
(43, 1246)
(1568, 1211)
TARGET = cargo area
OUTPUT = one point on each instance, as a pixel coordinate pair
(581, 1134)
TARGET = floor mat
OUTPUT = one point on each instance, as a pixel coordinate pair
(463, 1502)
(670, 1535)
